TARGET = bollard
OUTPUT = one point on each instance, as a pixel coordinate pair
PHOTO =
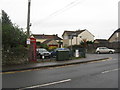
(76, 53)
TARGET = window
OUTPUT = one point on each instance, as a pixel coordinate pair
(65, 37)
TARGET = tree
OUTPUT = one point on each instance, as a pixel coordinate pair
(12, 35)
(84, 43)
(13, 42)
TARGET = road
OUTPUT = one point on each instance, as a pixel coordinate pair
(103, 74)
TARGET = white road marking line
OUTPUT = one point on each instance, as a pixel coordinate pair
(47, 84)
(111, 70)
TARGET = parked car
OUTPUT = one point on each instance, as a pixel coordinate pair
(43, 53)
(54, 52)
(104, 50)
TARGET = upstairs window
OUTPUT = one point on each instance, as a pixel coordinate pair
(65, 37)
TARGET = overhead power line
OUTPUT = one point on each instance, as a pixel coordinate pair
(67, 7)
(64, 8)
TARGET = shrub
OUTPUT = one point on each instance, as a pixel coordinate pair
(16, 55)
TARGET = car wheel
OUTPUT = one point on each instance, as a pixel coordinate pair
(40, 56)
(111, 52)
(98, 52)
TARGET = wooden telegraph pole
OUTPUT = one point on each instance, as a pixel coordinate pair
(31, 40)
(28, 30)
(28, 19)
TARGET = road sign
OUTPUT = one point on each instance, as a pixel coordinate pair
(28, 41)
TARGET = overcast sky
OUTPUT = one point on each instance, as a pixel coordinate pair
(100, 17)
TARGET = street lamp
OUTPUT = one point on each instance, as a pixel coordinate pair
(117, 34)
(71, 37)
(75, 34)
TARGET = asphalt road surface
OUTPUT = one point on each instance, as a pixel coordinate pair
(102, 74)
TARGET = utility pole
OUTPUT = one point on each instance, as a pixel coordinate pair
(28, 19)
(28, 31)
(118, 14)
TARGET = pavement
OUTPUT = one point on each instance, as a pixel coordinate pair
(52, 63)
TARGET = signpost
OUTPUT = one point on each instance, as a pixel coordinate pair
(28, 41)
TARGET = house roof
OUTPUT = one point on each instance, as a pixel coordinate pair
(47, 41)
(73, 32)
(118, 30)
(50, 37)
(101, 40)
(77, 32)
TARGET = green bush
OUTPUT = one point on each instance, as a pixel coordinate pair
(16, 55)
(13, 42)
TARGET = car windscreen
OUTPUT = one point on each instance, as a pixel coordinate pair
(42, 50)
(62, 49)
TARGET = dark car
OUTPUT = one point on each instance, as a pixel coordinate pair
(54, 52)
(43, 53)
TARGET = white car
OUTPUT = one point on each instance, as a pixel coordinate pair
(104, 50)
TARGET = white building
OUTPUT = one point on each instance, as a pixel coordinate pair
(76, 37)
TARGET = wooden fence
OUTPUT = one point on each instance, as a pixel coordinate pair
(92, 47)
